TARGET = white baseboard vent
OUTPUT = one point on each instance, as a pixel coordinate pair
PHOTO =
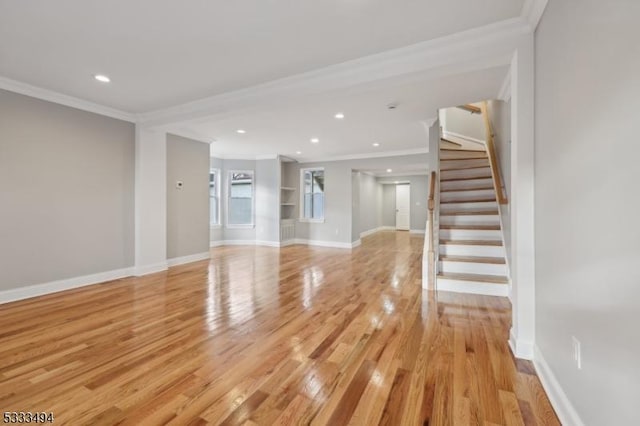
(35, 290)
(562, 405)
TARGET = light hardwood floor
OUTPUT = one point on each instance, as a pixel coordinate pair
(265, 336)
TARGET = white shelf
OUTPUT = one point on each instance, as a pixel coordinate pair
(286, 188)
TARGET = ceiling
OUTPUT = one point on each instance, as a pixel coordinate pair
(160, 53)
(288, 129)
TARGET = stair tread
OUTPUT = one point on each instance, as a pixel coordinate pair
(495, 243)
(470, 213)
(474, 259)
(472, 227)
(469, 200)
(480, 188)
(492, 279)
(469, 167)
(465, 178)
(465, 158)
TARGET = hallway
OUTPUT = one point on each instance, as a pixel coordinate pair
(267, 336)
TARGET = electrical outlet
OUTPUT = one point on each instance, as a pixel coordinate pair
(577, 353)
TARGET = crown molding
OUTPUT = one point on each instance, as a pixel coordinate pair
(247, 157)
(66, 100)
(401, 174)
(483, 47)
(365, 156)
(532, 11)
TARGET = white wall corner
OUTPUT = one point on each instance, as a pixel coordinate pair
(188, 259)
(140, 270)
(520, 348)
(559, 400)
(505, 89)
(28, 292)
(532, 11)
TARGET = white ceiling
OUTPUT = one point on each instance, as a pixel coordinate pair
(286, 129)
(160, 53)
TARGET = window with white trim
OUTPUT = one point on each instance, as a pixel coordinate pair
(214, 197)
(240, 203)
(312, 194)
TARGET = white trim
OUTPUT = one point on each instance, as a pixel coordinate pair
(217, 183)
(302, 218)
(417, 231)
(561, 403)
(356, 243)
(532, 11)
(447, 133)
(221, 243)
(371, 231)
(365, 156)
(66, 100)
(401, 174)
(505, 89)
(188, 259)
(253, 201)
(268, 243)
(520, 348)
(139, 271)
(35, 290)
(319, 243)
(473, 287)
(247, 157)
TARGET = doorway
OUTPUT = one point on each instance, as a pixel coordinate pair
(403, 205)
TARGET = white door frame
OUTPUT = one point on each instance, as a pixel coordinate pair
(407, 228)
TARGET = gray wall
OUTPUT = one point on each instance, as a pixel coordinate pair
(66, 192)
(464, 123)
(370, 216)
(586, 210)
(418, 194)
(389, 205)
(500, 113)
(338, 225)
(187, 208)
(355, 206)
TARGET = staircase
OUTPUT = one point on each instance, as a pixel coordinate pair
(471, 252)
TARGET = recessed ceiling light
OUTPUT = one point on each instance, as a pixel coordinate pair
(315, 140)
(389, 170)
(298, 152)
(376, 144)
(242, 132)
(339, 116)
(102, 78)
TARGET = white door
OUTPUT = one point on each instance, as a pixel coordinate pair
(402, 207)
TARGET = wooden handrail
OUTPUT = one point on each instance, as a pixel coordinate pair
(431, 204)
(471, 108)
(493, 157)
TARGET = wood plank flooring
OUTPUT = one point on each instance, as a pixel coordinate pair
(261, 336)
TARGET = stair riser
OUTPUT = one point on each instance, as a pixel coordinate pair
(465, 195)
(463, 164)
(466, 184)
(470, 220)
(485, 205)
(463, 250)
(470, 234)
(458, 286)
(468, 173)
(461, 155)
(473, 268)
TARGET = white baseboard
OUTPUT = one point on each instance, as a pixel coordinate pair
(520, 348)
(12, 295)
(245, 243)
(378, 229)
(417, 231)
(188, 259)
(138, 271)
(356, 243)
(268, 243)
(564, 409)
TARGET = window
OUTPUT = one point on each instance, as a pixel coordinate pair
(312, 184)
(240, 206)
(214, 197)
